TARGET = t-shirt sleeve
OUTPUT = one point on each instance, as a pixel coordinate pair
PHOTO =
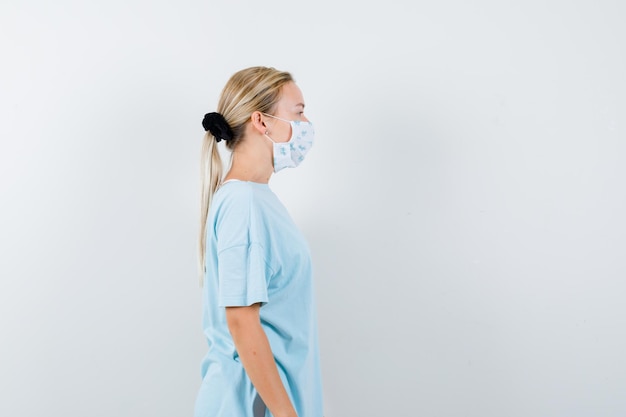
(243, 272)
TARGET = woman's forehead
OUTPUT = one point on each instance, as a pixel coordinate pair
(291, 95)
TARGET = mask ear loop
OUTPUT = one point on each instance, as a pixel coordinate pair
(268, 136)
(276, 117)
(279, 118)
(266, 133)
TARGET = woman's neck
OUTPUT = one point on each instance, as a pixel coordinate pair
(251, 163)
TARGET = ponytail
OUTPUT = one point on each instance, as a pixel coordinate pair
(211, 169)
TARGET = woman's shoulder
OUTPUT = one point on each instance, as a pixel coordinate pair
(240, 193)
(237, 203)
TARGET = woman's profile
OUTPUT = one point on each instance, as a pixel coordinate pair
(259, 315)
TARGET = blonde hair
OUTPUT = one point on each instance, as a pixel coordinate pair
(249, 90)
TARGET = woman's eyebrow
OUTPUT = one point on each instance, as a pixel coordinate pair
(300, 105)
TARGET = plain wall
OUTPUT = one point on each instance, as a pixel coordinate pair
(464, 201)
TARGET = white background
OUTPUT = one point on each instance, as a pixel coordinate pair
(464, 201)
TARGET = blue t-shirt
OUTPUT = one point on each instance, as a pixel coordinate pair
(256, 254)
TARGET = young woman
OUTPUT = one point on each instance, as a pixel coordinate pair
(259, 314)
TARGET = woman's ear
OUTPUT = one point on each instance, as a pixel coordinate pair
(258, 122)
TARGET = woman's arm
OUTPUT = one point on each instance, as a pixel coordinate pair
(256, 356)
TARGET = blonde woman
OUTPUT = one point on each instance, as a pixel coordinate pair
(259, 313)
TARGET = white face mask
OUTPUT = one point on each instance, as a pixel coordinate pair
(289, 154)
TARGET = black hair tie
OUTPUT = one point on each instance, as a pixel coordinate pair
(218, 126)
